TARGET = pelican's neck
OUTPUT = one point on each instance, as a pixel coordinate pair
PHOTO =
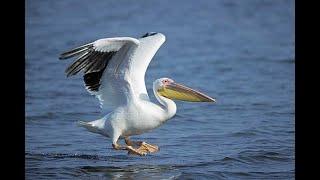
(169, 107)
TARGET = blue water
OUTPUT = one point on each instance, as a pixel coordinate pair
(240, 52)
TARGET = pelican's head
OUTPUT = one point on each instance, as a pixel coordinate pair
(166, 87)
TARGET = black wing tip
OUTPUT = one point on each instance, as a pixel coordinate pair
(92, 80)
(62, 57)
(65, 55)
(92, 63)
(75, 51)
(68, 75)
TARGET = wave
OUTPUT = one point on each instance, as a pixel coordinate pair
(77, 156)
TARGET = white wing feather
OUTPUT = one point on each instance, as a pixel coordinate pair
(124, 78)
(113, 44)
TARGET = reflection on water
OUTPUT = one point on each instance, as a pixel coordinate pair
(133, 172)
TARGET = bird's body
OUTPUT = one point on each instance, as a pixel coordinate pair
(114, 70)
(134, 119)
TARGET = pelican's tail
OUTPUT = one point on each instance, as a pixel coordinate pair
(83, 124)
(89, 126)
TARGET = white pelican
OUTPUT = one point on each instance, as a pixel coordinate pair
(114, 70)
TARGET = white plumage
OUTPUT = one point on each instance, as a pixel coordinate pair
(114, 71)
(123, 79)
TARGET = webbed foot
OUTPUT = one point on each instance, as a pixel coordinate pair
(148, 147)
(140, 152)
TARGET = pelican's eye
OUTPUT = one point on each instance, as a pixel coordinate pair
(166, 82)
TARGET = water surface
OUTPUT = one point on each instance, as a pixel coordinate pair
(240, 52)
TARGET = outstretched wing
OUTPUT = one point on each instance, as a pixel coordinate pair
(149, 45)
(92, 60)
(114, 68)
